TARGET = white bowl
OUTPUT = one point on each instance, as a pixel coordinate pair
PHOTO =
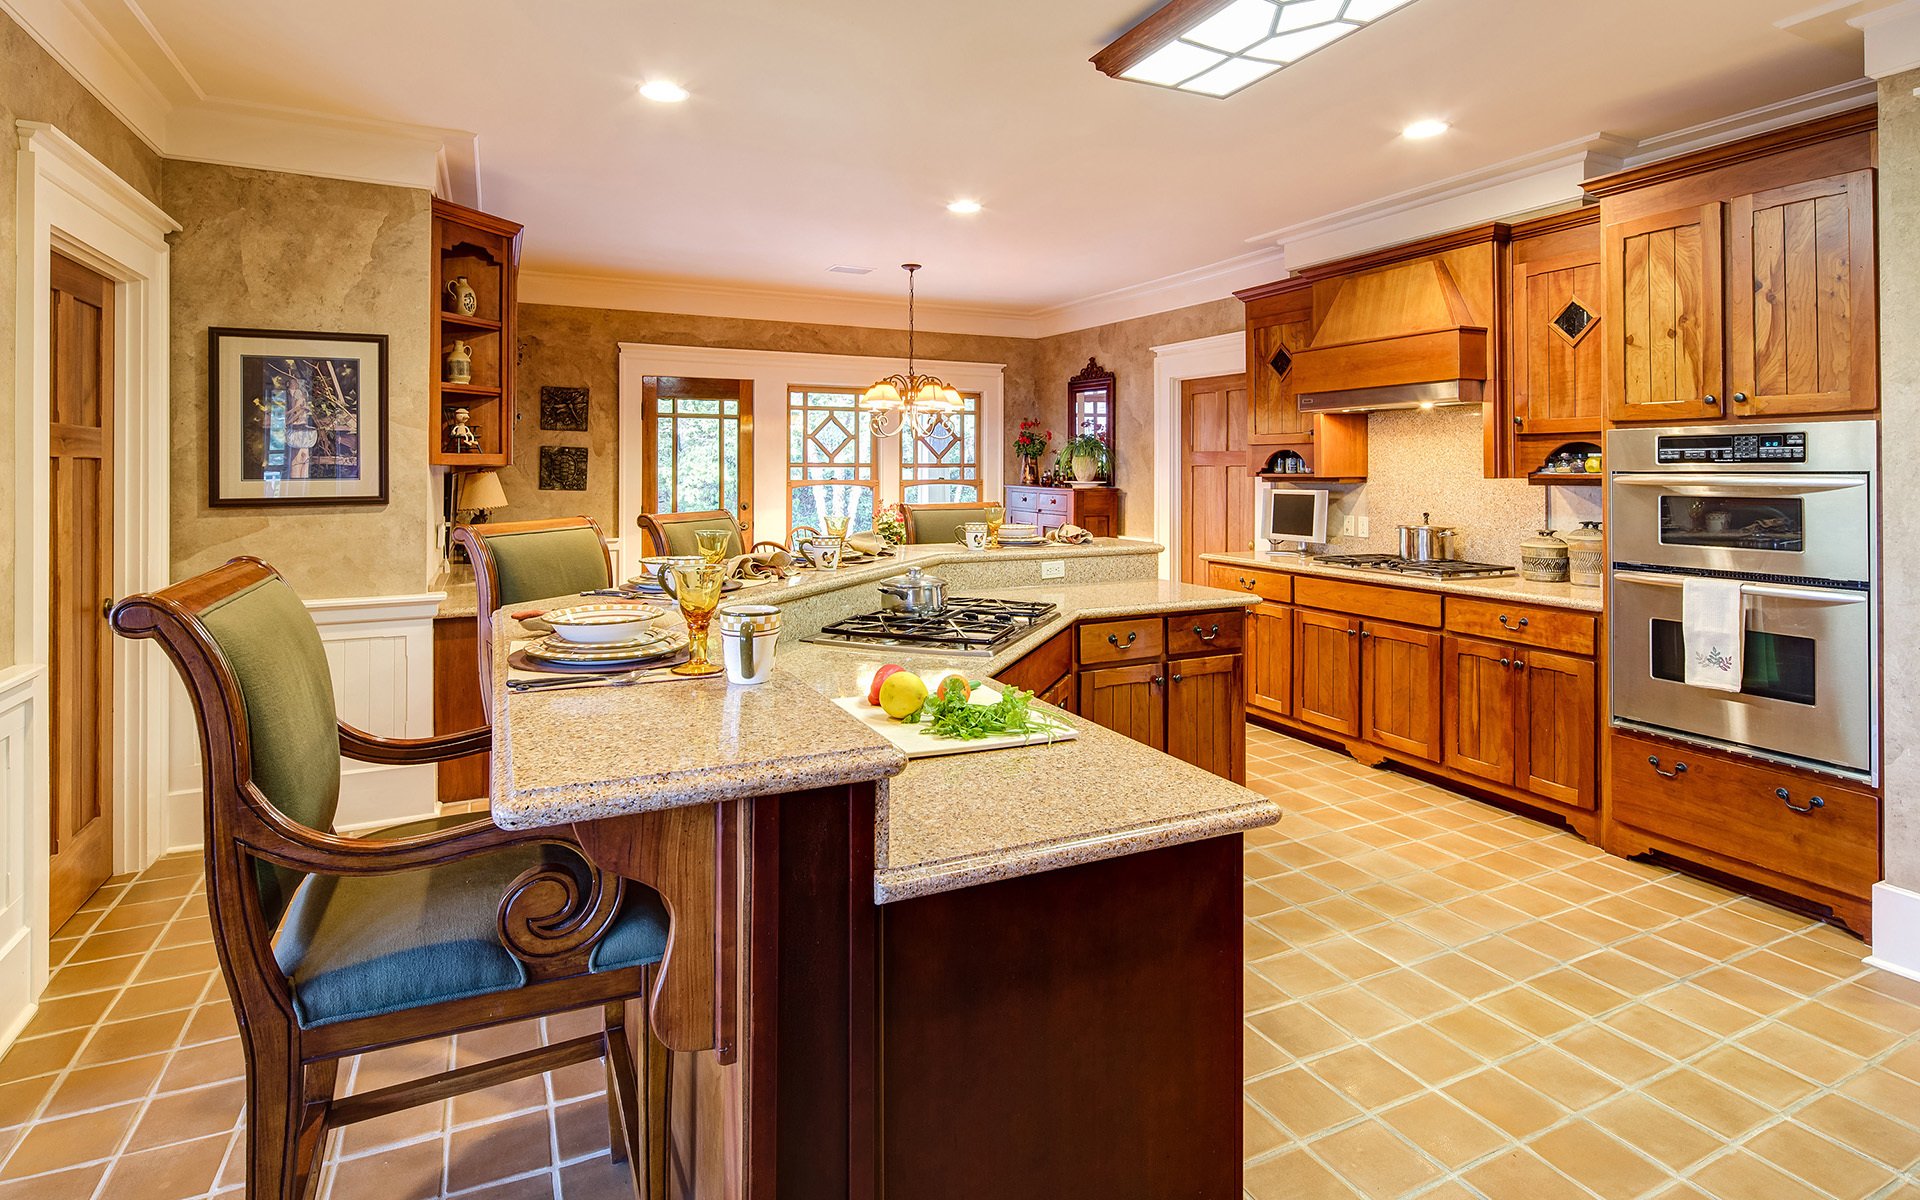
(600, 624)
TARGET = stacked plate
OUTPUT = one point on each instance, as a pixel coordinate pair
(648, 646)
(1020, 535)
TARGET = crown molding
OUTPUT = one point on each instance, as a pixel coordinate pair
(1891, 38)
(1201, 285)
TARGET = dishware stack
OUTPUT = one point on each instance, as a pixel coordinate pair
(1020, 534)
(602, 635)
(748, 636)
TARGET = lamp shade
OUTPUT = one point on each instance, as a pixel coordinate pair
(482, 489)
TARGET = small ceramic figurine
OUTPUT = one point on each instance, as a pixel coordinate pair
(462, 298)
(461, 438)
(459, 363)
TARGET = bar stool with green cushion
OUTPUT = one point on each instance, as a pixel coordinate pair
(940, 522)
(522, 561)
(675, 533)
(416, 932)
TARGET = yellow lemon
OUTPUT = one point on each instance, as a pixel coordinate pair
(902, 694)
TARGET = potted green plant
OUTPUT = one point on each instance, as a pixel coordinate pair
(1087, 457)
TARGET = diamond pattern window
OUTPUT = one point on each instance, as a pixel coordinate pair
(940, 464)
(830, 458)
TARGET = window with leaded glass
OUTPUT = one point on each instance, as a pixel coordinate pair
(940, 463)
(830, 458)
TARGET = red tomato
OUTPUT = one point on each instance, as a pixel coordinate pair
(880, 677)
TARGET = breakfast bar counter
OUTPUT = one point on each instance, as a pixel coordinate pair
(1012, 972)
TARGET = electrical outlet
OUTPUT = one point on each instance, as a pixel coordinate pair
(1360, 527)
(1347, 526)
(1053, 568)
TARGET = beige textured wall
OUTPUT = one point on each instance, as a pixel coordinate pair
(562, 346)
(266, 250)
(1899, 203)
(35, 88)
(1126, 349)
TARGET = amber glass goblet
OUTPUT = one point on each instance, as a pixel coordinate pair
(996, 517)
(698, 591)
(713, 543)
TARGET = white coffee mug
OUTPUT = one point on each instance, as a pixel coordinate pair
(974, 534)
(748, 635)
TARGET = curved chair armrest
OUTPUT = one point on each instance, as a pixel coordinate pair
(271, 836)
(367, 747)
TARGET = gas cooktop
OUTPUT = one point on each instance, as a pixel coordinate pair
(1437, 569)
(966, 626)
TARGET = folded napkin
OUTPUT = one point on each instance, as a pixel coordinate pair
(867, 543)
(1072, 535)
(1713, 630)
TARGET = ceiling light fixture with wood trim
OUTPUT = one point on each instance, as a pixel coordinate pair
(1216, 47)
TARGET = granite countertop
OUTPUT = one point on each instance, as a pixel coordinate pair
(942, 823)
(462, 597)
(1498, 587)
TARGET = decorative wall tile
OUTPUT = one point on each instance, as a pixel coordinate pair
(564, 409)
(563, 468)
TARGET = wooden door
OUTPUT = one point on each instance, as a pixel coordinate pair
(1276, 414)
(1216, 486)
(1558, 365)
(1480, 689)
(1663, 325)
(1206, 715)
(1802, 327)
(1326, 671)
(1270, 659)
(697, 442)
(1400, 688)
(81, 668)
(1127, 700)
(1558, 728)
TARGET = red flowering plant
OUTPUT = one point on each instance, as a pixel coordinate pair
(1029, 444)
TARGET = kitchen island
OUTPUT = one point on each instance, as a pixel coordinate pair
(1011, 973)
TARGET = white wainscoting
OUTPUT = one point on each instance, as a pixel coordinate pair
(23, 849)
(381, 652)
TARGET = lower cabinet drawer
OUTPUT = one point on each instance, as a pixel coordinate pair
(1205, 633)
(1553, 628)
(1404, 605)
(1129, 640)
(1788, 822)
(1276, 586)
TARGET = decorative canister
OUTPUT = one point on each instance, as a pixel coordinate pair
(1587, 555)
(1543, 558)
(461, 298)
(748, 634)
(459, 363)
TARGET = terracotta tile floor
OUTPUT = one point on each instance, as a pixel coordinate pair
(1443, 1001)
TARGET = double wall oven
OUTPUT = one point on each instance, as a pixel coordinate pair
(1791, 512)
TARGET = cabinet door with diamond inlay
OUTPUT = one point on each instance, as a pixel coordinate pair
(1801, 308)
(1276, 413)
(1662, 316)
(1558, 364)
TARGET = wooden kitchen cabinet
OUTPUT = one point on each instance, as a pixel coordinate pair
(1802, 307)
(1269, 652)
(1558, 371)
(1326, 670)
(1094, 509)
(1128, 700)
(1664, 316)
(1400, 688)
(1274, 415)
(1206, 714)
(1559, 728)
(1280, 324)
(456, 705)
(1481, 690)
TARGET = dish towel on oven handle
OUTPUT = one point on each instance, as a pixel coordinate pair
(1713, 629)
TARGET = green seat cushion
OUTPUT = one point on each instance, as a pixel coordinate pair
(943, 524)
(681, 535)
(544, 563)
(274, 649)
(366, 945)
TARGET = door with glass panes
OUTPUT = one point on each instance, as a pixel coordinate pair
(699, 447)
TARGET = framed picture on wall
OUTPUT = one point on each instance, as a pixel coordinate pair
(297, 418)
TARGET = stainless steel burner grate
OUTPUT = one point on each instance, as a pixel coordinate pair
(965, 626)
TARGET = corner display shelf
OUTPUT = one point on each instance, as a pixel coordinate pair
(486, 251)
(1565, 479)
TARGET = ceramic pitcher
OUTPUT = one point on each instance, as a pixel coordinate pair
(459, 363)
(462, 298)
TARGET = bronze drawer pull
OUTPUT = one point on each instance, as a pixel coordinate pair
(1811, 804)
(1246, 583)
(1114, 639)
(1514, 628)
(1679, 768)
(1206, 637)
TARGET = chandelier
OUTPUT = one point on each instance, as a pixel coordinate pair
(911, 397)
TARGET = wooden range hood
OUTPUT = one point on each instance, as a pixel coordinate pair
(1399, 337)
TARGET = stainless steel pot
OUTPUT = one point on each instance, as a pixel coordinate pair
(914, 592)
(1426, 542)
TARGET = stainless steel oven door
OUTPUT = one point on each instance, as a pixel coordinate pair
(1761, 523)
(1808, 689)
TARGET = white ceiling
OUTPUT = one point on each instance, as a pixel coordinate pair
(835, 131)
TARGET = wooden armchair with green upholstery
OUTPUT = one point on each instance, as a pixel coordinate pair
(675, 533)
(521, 561)
(332, 945)
(941, 522)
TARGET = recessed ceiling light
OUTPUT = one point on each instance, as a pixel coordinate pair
(1432, 127)
(1217, 47)
(964, 207)
(663, 91)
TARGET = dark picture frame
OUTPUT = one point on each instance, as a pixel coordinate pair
(296, 417)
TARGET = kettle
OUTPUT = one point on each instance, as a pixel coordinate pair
(1426, 542)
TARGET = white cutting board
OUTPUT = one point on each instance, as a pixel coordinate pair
(914, 741)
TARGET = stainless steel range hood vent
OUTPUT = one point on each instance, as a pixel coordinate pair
(1434, 394)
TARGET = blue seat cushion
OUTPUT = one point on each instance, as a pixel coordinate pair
(367, 945)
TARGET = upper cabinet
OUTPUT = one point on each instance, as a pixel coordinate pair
(1802, 331)
(1556, 298)
(1740, 279)
(476, 267)
(1276, 416)
(1325, 446)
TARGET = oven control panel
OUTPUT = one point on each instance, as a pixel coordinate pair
(1681, 449)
